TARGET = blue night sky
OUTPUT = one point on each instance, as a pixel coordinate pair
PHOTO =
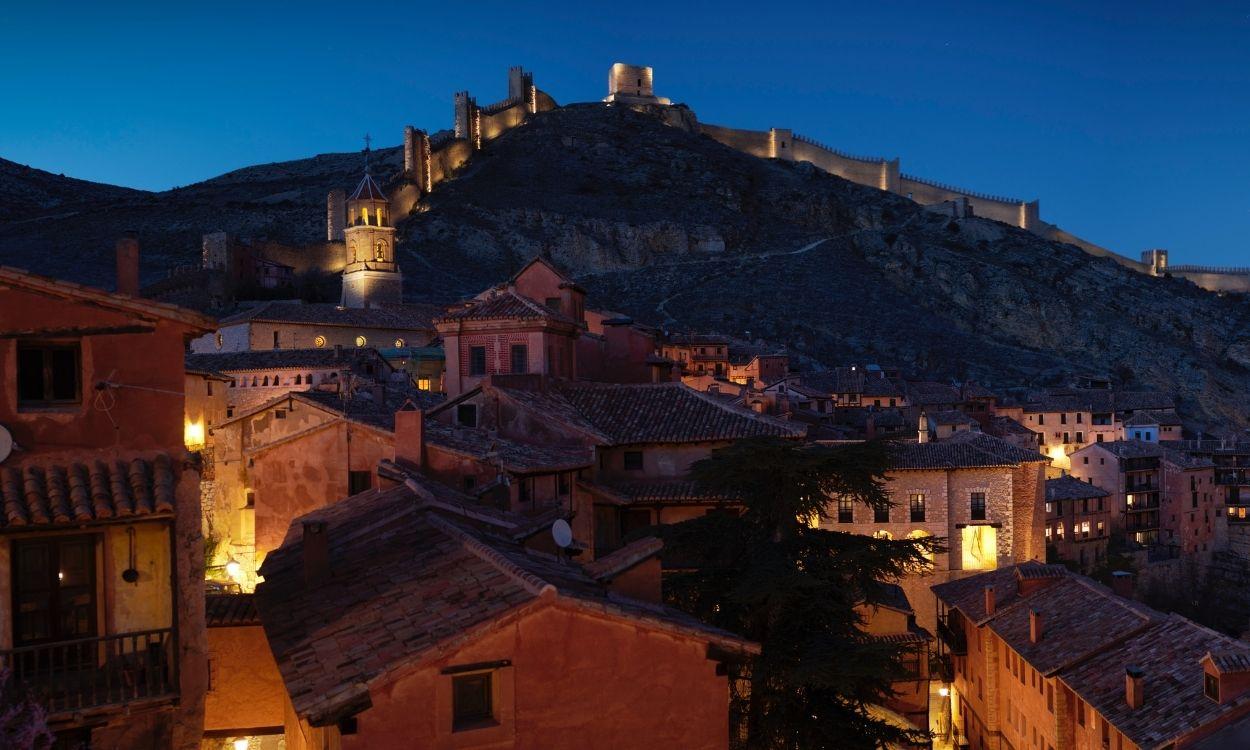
(1130, 121)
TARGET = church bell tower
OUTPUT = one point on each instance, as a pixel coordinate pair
(370, 275)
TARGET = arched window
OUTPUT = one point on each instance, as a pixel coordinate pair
(265, 381)
(253, 381)
(399, 343)
(308, 378)
(297, 380)
(379, 251)
(882, 534)
(361, 341)
(319, 342)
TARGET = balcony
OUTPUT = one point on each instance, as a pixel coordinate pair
(952, 634)
(1233, 478)
(95, 673)
(1239, 513)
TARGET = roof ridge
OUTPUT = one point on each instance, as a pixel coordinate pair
(532, 583)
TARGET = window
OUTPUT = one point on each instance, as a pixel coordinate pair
(471, 701)
(469, 482)
(279, 414)
(275, 340)
(1211, 686)
(361, 341)
(916, 504)
(846, 510)
(1063, 419)
(218, 340)
(477, 360)
(633, 460)
(1079, 420)
(298, 380)
(48, 374)
(319, 341)
(1041, 419)
(977, 502)
(54, 590)
(881, 515)
(520, 358)
(423, 384)
(229, 412)
(399, 343)
(359, 481)
(466, 415)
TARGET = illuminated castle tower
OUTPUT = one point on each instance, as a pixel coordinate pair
(370, 276)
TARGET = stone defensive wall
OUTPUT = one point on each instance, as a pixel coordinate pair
(431, 159)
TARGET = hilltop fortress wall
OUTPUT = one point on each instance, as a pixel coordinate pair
(431, 159)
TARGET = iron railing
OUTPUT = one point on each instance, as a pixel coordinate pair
(87, 673)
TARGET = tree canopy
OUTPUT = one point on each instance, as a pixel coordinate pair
(771, 575)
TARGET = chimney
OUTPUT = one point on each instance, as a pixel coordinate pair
(1122, 583)
(1035, 626)
(989, 600)
(1134, 689)
(923, 432)
(128, 265)
(316, 550)
(410, 434)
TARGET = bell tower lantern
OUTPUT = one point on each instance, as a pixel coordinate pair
(370, 274)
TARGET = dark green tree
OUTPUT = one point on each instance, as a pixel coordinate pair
(768, 575)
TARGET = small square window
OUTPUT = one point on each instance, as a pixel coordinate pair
(466, 415)
(881, 515)
(48, 374)
(471, 701)
(633, 460)
(359, 481)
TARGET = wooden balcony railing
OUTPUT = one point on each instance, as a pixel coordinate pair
(89, 673)
(952, 634)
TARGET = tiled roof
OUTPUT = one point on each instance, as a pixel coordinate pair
(1068, 487)
(877, 387)
(230, 610)
(1228, 662)
(362, 407)
(698, 339)
(950, 417)
(609, 566)
(632, 414)
(1004, 426)
(1185, 459)
(406, 585)
(968, 594)
(892, 595)
(926, 393)
(503, 305)
(657, 492)
(1169, 655)
(1098, 400)
(1141, 419)
(1079, 618)
(73, 494)
(515, 456)
(269, 359)
(406, 316)
(24, 279)
(1132, 448)
(962, 450)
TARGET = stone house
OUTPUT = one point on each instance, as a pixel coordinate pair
(100, 547)
(1078, 521)
(1067, 420)
(1044, 658)
(642, 439)
(748, 366)
(537, 323)
(698, 354)
(259, 376)
(893, 621)
(461, 637)
(982, 494)
(319, 325)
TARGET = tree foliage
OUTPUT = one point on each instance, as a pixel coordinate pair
(23, 721)
(768, 575)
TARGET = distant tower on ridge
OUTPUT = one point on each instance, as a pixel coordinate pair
(370, 275)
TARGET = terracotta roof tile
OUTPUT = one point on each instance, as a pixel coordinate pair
(269, 359)
(516, 457)
(406, 584)
(1069, 487)
(657, 492)
(230, 610)
(960, 451)
(405, 316)
(503, 305)
(83, 493)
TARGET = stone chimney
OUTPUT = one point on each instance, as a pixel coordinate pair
(128, 265)
(1122, 583)
(316, 552)
(1134, 689)
(410, 434)
(1035, 626)
(922, 434)
(990, 601)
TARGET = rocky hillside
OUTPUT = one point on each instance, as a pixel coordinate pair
(66, 228)
(675, 229)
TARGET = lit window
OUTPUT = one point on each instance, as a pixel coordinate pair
(977, 503)
(846, 510)
(219, 340)
(882, 534)
(423, 384)
(319, 342)
(361, 341)
(916, 504)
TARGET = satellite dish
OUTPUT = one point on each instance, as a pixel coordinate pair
(562, 533)
(6, 443)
